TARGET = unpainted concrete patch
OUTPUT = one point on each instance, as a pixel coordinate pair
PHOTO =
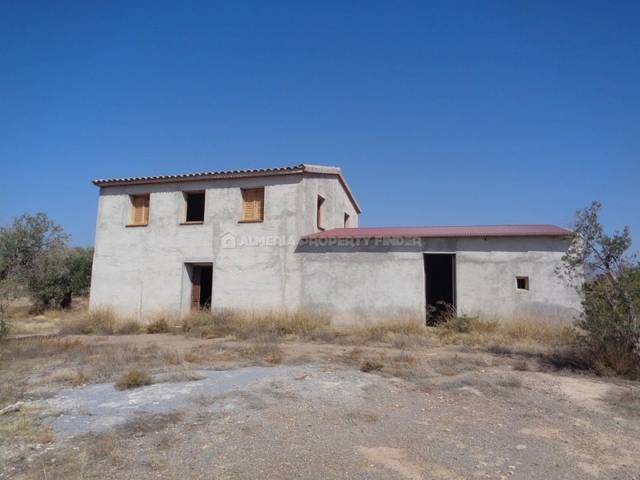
(97, 408)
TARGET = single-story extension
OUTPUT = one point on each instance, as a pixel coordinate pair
(288, 238)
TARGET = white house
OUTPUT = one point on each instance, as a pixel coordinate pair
(289, 238)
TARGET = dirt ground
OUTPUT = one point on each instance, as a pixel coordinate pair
(290, 409)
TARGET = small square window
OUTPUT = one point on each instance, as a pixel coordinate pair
(195, 207)
(522, 283)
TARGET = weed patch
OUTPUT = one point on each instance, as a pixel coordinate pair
(159, 325)
(371, 366)
(134, 378)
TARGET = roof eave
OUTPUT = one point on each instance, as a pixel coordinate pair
(197, 177)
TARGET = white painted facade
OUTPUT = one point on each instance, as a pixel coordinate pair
(139, 271)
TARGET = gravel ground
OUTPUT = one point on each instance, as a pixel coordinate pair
(325, 420)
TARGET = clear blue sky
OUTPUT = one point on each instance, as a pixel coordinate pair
(452, 112)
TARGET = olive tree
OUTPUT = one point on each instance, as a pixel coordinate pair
(610, 293)
(35, 260)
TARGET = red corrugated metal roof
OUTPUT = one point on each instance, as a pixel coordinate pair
(444, 232)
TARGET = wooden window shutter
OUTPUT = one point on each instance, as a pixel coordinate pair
(252, 204)
(140, 209)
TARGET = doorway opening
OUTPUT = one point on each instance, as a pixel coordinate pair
(440, 286)
(201, 276)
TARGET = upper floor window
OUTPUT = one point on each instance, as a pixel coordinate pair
(522, 283)
(346, 219)
(252, 205)
(320, 213)
(194, 207)
(139, 215)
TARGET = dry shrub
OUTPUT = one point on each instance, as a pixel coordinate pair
(72, 376)
(371, 366)
(404, 357)
(509, 382)
(133, 378)
(98, 321)
(24, 425)
(521, 366)
(466, 324)
(163, 321)
(609, 361)
(251, 325)
(506, 336)
(399, 331)
(39, 347)
(265, 348)
(101, 321)
(315, 326)
(128, 327)
(387, 329)
(158, 326)
(205, 324)
(545, 332)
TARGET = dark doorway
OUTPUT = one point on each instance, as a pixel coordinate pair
(440, 286)
(201, 286)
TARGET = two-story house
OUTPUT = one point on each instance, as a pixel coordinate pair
(288, 238)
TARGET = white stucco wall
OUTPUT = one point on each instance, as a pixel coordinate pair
(364, 282)
(141, 270)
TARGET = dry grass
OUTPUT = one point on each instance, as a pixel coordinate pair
(627, 400)
(509, 382)
(163, 321)
(71, 376)
(133, 378)
(39, 347)
(505, 336)
(523, 335)
(158, 326)
(100, 321)
(24, 425)
(521, 366)
(371, 366)
(251, 325)
(128, 327)
(402, 331)
(79, 361)
(517, 336)
(33, 325)
(610, 362)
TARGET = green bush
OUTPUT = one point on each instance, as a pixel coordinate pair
(35, 259)
(611, 297)
(612, 328)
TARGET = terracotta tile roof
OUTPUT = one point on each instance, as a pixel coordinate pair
(445, 232)
(222, 174)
